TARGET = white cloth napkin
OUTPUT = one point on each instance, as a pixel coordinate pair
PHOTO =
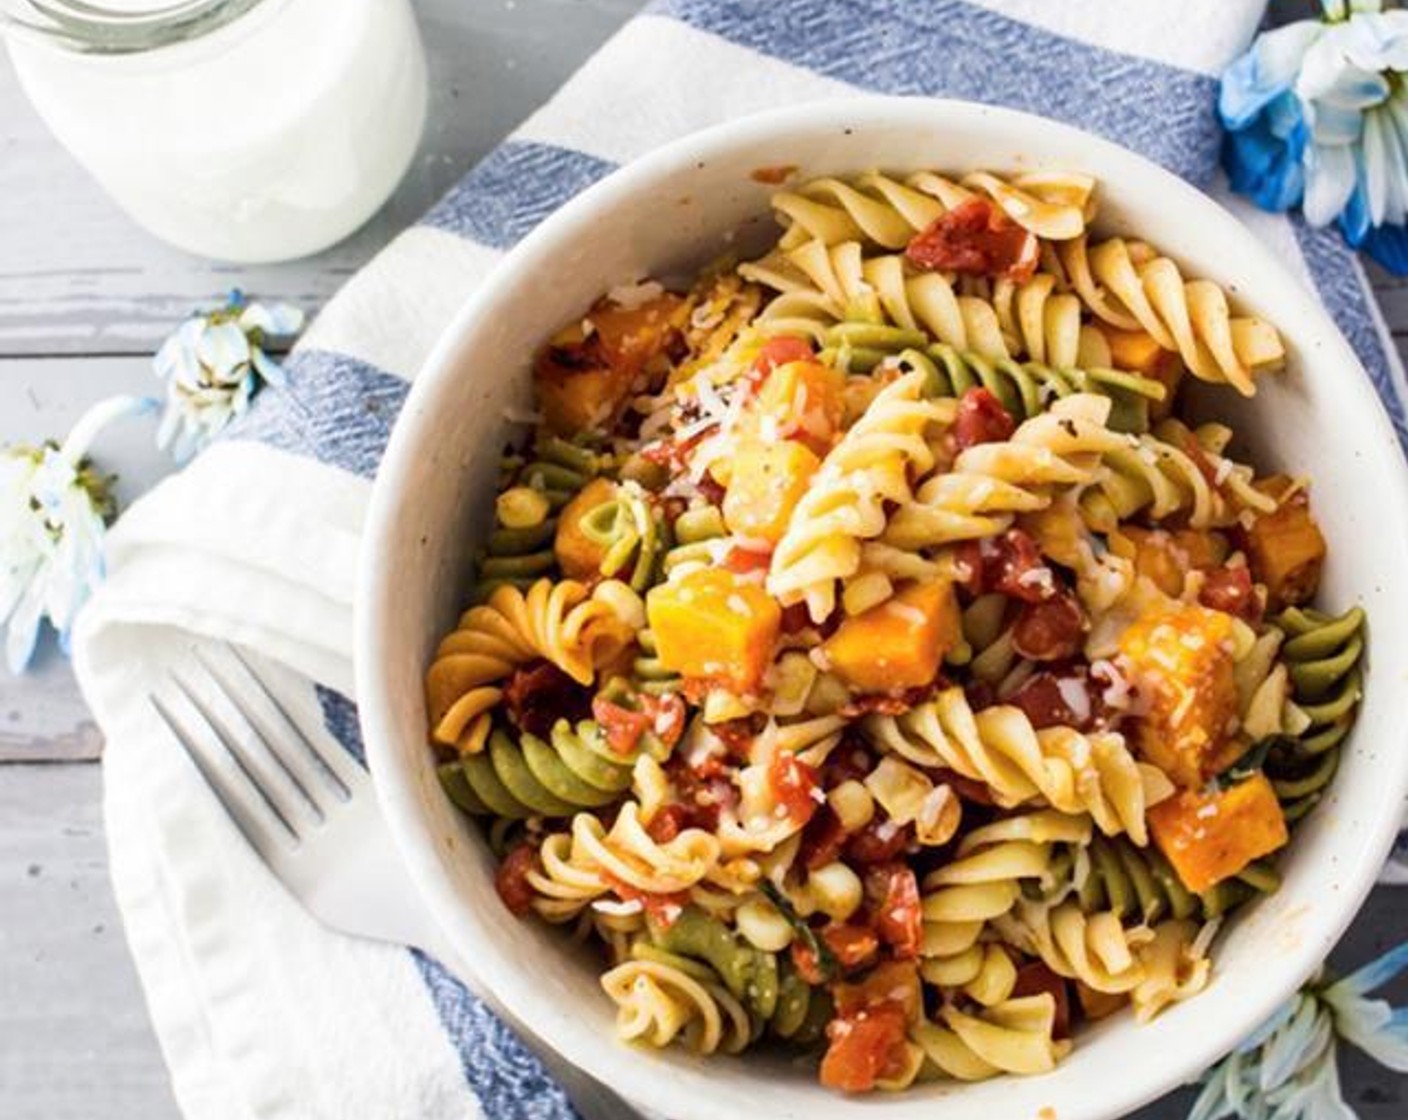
(260, 1011)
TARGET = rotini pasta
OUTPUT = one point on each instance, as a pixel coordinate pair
(874, 463)
(1130, 286)
(1019, 764)
(870, 657)
(992, 482)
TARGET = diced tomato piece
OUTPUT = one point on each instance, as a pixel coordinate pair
(1051, 630)
(981, 419)
(893, 892)
(1011, 563)
(664, 716)
(1061, 698)
(511, 879)
(895, 983)
(781, 350)
(806, 962)
(662, 907)
(864, 1049)
(744, 560)
(1035, 979)
(794, 786)
(976, 238)
(822, 840)
(539, 694)
(879, 841)
(852, 944)
(669, 821)
(1231, 590)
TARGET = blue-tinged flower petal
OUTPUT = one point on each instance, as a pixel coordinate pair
(1315, 1095)
(270, 370)
(1329, 183)
(1297, 1046)
(1376, 42)
(1264, 72)
(1335, 126)
(1327, 74)
(1213, 1102)
(23, 631)
(1265, 167)
(224, 351)
(1373, 975)
(1282, 1016)
(276, 320)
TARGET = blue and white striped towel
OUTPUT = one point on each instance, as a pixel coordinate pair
(260, 1011)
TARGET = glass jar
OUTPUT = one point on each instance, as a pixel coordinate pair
(243, 130)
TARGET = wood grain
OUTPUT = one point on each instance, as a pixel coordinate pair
(74, 1038)
(84, 297)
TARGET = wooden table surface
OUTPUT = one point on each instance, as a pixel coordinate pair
(85, 296)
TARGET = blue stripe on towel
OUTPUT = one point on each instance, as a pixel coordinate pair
(1332, 266)
(953, 49)
(507, 1078)
(335, 409)
(515, 187)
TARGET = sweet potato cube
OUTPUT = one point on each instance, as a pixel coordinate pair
(589, 368)
(1181, 662)
(711, 625)
(765, 484)
(900, 643)
(806, 401)
(578, 555)
(1139, 352)
(1285, 549)
(1210, 836)
(1166, 557)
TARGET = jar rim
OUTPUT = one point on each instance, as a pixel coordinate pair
(95, 27)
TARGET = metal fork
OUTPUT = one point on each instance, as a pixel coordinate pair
(310, 812)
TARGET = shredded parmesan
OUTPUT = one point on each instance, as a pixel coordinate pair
(636, 294)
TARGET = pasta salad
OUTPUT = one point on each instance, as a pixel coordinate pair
(870, 656)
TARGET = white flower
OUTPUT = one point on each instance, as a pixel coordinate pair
(213, 364)
(54, 509)
(1288, 1070)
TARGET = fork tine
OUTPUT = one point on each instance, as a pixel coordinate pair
(261, 733)
(320, 762)
(253, 830)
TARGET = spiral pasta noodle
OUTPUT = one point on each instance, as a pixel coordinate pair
(660, 998)
(1131, 287)
(873, 464)
(1323, 654)
(571, 770)
(998, 746)
(1015, 1036)
(887, 212)
(519, 547)
(991, 482)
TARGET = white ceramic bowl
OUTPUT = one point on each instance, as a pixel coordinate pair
(679, 208)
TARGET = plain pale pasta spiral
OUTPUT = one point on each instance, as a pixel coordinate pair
(845, 505)
(998, 746)
(888, 212)
(1015, 1036)
(1129, 286)
(660, 998)
(991, 482)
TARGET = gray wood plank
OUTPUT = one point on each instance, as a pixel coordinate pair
(75, 1042)
(78, 277)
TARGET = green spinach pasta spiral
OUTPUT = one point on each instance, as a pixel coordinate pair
(1139, 886)
(534, 490)
(1324, 655)
(527, 776)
